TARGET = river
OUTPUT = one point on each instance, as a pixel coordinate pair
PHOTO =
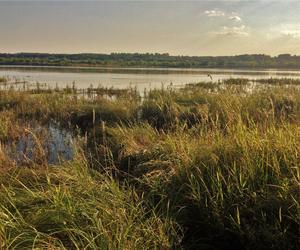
(141, 78)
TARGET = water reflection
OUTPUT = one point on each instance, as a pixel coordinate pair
(141, 78)
(42, 144)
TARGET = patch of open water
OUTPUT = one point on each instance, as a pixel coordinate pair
(42, 143)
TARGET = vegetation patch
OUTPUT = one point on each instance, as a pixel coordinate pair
(208, 166)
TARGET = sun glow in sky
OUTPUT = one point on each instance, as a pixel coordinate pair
(177, 27)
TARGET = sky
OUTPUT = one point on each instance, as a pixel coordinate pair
(200, 28)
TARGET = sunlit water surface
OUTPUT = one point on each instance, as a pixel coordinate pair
(140, 78)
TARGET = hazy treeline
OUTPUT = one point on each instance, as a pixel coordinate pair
(151, 60)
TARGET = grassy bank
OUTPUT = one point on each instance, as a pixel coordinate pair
(209, 166)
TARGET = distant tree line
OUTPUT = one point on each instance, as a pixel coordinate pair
(151, 60)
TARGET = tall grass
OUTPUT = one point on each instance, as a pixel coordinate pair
(209, 166)
(73, 207)
(240, 188)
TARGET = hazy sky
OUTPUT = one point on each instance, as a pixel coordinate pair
(177, 27)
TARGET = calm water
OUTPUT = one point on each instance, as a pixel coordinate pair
(124, 77)
(57, 144)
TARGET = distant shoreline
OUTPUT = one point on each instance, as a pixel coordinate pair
(135, 60)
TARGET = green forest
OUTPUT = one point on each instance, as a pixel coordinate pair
(151, 60)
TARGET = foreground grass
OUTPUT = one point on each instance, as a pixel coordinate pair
(239, 190)
(212, 166)
(73, 207)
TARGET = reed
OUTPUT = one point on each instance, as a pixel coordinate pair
(208, 166)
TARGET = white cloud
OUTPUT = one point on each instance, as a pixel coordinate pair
(214, 13)
(286, 30)
(233, 31)
(219, 13)
(235, 18)
(231, 28)
(292, 30)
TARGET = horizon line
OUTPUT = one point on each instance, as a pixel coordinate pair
(144, 53)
